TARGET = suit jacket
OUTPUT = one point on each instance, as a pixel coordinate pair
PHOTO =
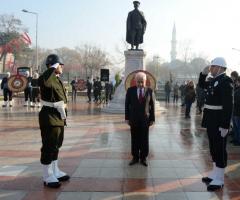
(139, 113)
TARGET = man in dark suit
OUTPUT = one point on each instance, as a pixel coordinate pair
(139, 114)
(74, 89)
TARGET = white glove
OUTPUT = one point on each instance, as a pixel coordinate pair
(223, 131)
(55, 65)
(205, 71)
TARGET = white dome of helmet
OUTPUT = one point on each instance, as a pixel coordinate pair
(219, 61)
(35, 75)
(26, 73)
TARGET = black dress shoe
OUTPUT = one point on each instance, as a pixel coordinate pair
(214, 187)
(64, 178)
(206, 180)
(144, 163)
(52, 184)
(133, 161)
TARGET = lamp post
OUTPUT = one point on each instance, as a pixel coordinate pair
(36, 14)
(157, 63)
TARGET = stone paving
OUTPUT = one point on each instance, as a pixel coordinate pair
(96, 152)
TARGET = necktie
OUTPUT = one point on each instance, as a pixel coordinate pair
(140, 98)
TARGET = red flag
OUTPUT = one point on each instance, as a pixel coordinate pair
(25, 38)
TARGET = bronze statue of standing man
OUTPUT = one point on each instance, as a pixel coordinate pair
(136, 26)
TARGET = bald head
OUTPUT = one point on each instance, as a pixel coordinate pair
(140, 79)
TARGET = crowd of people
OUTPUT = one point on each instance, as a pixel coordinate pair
(31, 91)
(188, 94)
(101, 92)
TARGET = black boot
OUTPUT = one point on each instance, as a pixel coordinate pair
(213, 188)
(134, 161)
(52, 184)
(206, 180)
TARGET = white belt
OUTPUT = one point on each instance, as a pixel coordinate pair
(213, 107)
(60, 106)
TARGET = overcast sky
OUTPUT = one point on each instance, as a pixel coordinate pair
(211, 26)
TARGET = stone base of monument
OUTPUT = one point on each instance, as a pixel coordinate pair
(117, 105)
(134, 60)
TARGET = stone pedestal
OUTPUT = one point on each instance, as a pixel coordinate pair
(134, 60)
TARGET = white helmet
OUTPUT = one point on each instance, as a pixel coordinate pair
(35, 75)
(219, 61)
(27, 73)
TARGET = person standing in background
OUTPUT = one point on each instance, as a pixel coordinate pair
(175, 93)
(236, 113)
(182, 89)
(7, 94)
(190, 96)
(74, 89)
(28, 90)
(167, 89)
(89, 90)
(35, 91)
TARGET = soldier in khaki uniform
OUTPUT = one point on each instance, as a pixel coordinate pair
(52, 119)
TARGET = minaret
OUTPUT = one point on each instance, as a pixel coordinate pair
(174, 44)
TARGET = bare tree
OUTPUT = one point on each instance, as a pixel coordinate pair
(185, 50)
(42, 55)
(8, 24)
(93, 59)
(71, 58)
(197, 64)
(159, 70)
